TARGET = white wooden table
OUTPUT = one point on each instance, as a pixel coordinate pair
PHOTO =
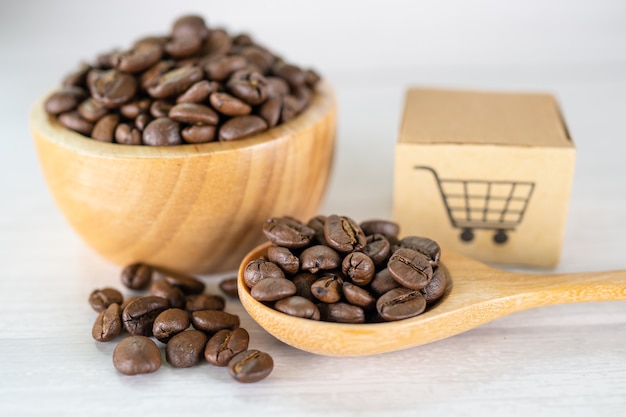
(562, 360)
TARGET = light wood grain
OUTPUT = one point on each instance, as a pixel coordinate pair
(191, 208)
(476, 294)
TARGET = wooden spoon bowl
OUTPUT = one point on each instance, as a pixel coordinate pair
(191, 208)
(476, 294)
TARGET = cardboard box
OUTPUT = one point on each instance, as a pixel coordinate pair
(487, 174)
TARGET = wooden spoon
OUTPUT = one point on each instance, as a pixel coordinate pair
(476, 294)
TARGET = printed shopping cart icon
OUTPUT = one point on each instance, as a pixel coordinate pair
(482, 204)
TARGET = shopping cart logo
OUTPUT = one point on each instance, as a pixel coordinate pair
(482, 204)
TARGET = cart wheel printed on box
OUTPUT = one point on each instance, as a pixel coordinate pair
(482, 204)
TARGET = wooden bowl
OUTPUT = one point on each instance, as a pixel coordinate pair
(191, 208)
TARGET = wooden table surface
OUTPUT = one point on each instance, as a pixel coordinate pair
(567, 360)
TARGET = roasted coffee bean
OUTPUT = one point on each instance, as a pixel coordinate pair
(91, 110)
(112, 88)
(359, 268)
(139, 315)
(436, 287)
(194, 113)
(317, 224)
(229, 105)
(304, 95)
(151, 77)
(127, 135)
(141, 57)
(160, 108)
(298, 307)
(410, 268)
(225, 344)
(100, 299)
(229, 287)
(343, 234)
(327, 289)
(135, 108)
(198, 92)
(341, 313)
(78, 77)
(377, 248)
(277, 87)
(190, 25)
(218, 43)
(127, 301)
(162, 132)
(423, 245)
(104, 129)
(183, 46)
(319, 257)
(250, 366)
(108, 324)
(283, 257)
(175, 81)
(303, 282)
(136, 355)
(64, 100)
(220, 67)
(270, 110)
(73, 121)
(358, 296)
(169, 323)
(383, 227)
(260, 269)
(174, 296)
(400, 303)
(186, 348)
(243, 39)
(294, 75)
(214, 320)
(250, 86)
(188, 284)
(137, 276)
(107, 60)
(259, 57)
(312, 78)
(273, 289)
(290, 108)
(288, 232)
(240, 127)
(199, 133)
(383, 282)
(198, 302)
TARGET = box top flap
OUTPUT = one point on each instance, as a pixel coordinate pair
(453, 116)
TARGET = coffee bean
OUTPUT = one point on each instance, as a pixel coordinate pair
(127, 135)
(259, 57)
(241, 126)
(225, 344)
(183, 46)
(151, 77)
(423, 245)
(327, 289)
(138, 316)
(312, 78)
(198, 92)
(288, 232)
(383, 282)
(127, 301)
(277, 87)
(108, 324)
(319, 257)
(73, 121)
(410, 268)
(141, 122)
(187, 284)
(162, 132)
(303, 282)
(104, 129)
(198, 302)
(377, 248)
(304, 95)
(229, 105)
(137, 276)
(358, 296)
(199, 133)
(383, 227)
(136, 355)
(250, 366)
(91, 110)
(141, 57)
(218, 43)
(186, 348)
(359, 268)
(112, 88)
(160, 108)
(190, 25)
(210, 321)
(272, 289)
(64, 100)
(298, 307)
(341, 313)
(283, 257)
(270, 110)
(260, 269)
(220, 67)
(174, 296)
(250, 86)
(290, 73)
(78, 77)
(101, 299)
(175, 81)
(229, 287)
(194, 113)
(243, 39)
(290, 108)
(343, 234)
(436, 287)
(317, 224)
(135, 108)
(169, 323)
(400, 303)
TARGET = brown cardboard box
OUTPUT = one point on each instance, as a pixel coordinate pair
(485, 174)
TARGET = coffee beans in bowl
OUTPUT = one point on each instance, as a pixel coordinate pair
(334, 269)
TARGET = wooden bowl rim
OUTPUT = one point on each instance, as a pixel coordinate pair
(48, 128)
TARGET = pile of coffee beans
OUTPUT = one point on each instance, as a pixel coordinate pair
(177, 313)
(333, 269)
(193, 85)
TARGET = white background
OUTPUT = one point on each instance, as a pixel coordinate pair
(563, 360)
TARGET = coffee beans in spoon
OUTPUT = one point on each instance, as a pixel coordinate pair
(334, 269)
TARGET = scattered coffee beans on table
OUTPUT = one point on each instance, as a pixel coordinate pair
(178, 313)
(194, 85)
(334, 269)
